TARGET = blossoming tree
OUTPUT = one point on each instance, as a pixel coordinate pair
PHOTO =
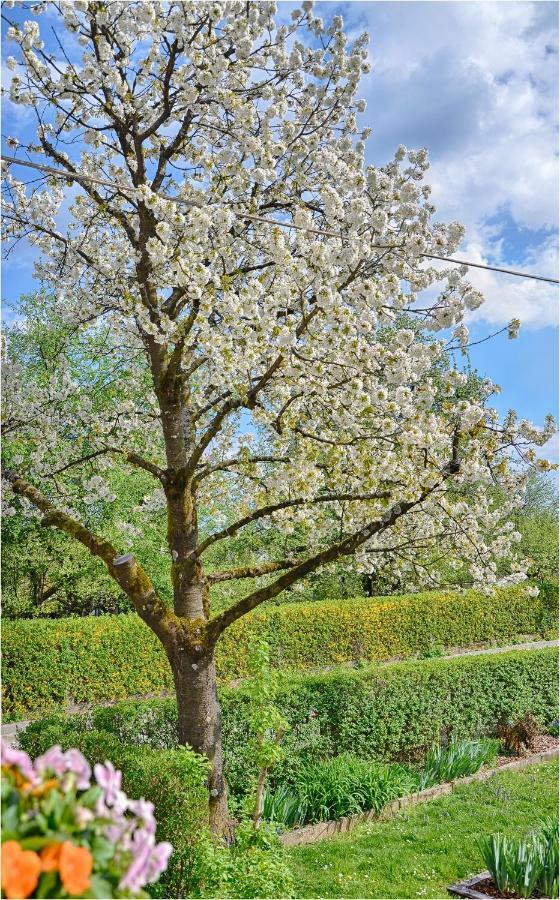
(264, 362)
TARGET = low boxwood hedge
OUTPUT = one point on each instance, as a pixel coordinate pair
(49, 663)
(391, 712)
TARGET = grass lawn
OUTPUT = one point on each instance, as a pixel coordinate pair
(419, 852)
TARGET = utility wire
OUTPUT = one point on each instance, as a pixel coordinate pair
(74, 176)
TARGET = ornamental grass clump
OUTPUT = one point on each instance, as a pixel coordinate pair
(337, 787)
(457, 760)
(526, 867)
(66, 834)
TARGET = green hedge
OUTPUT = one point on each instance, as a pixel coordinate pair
(172, 779)
(49, 663)
(391, 712)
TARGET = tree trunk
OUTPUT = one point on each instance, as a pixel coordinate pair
(200, 726)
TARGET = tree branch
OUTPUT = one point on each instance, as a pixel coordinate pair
(129, 575)
(251, 571)
(284, 504)
(342, 548)
(239, 461)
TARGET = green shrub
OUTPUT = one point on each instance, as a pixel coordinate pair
(255, 866)
(524, 867)
(51, 663)
(457, 760)
(174, 780)
(391, 712)
(399, 711)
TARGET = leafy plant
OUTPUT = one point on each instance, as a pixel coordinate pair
(457, 760)
(256, 865)
(338, 787)
(524, 866)
(550, 859)
(265, 720)
(518, 733)
(283, 807)
(68, 834)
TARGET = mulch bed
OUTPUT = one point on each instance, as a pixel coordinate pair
(541, 744)
(489, 888)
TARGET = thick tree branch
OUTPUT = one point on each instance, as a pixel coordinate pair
(129, 575)
(286, 504)
(251, 571)
(342, 548)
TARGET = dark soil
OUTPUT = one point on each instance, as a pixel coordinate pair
(488, 887)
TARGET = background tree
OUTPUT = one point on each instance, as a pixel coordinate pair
(248, 359)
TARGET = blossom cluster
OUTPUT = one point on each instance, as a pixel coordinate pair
(323, 335)
(66, 833)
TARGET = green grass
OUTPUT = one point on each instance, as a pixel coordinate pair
(419, 852)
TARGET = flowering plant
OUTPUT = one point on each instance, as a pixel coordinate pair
(66, 834)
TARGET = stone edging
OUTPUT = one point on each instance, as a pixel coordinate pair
(309, 834)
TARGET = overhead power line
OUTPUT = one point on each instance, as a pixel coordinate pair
(89, 179)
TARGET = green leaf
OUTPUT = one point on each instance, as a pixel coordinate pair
(10, 819)
(99, 888)
(102, 850)
(48, 884)
(90, 796)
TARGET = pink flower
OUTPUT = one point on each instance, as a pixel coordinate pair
(20, 760)
(83, 816)
(144, 809)
(54, 760)
(78, 764)
(136, 875)
(51, 761)
(159, 858)
(109, 779)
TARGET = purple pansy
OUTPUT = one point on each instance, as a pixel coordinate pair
(78, 764)
(20, 760)
(159, 857)
(54, 760)
(109, 779)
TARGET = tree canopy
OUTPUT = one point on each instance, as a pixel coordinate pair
(259, 302)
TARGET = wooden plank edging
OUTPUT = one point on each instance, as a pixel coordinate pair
(468, 888)
(310, 834)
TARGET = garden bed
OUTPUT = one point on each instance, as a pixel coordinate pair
(319, 831)
(480, 887)
(426, 848)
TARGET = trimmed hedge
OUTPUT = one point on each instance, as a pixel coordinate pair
(172, 779)
(49, 663)
(392, 712)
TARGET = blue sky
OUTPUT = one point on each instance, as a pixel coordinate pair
(476, 83)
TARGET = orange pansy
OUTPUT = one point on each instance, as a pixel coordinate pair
(75, 865)
(50, 857)
(20, 871)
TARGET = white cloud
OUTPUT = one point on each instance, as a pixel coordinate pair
(476, 83)
(534, 303)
